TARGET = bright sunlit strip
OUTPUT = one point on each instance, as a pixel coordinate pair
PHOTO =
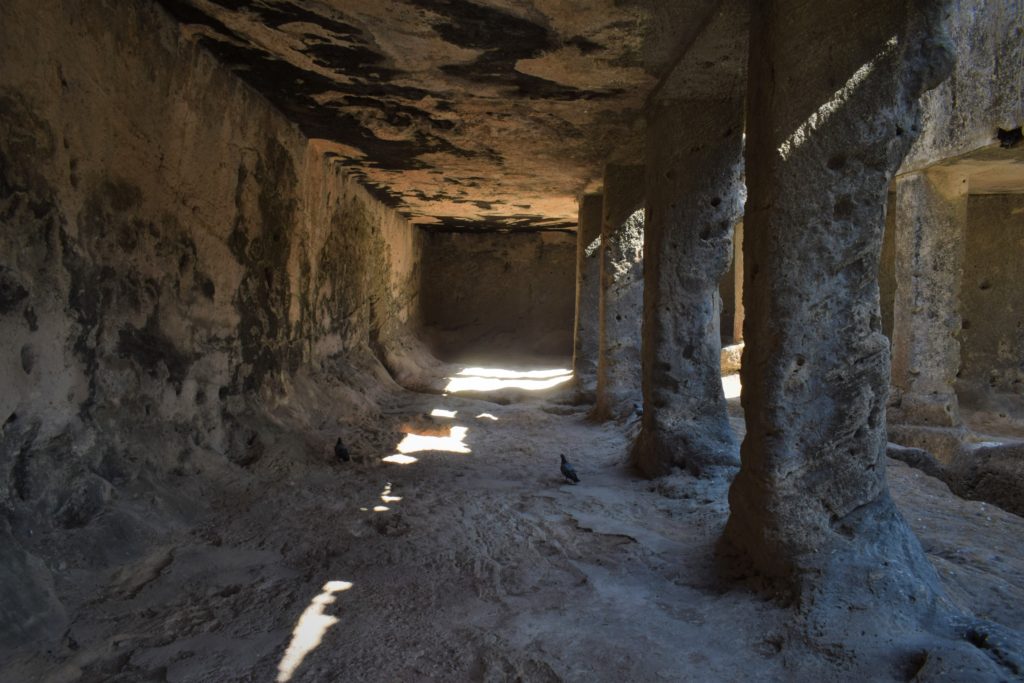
(486, 416)
(731, 386)
(310, 629)
(514, 374)
(399, 459)
(492, 379)
(440, 412)
(386, 496)
(457, 384)
(453, 443)
(840, 97)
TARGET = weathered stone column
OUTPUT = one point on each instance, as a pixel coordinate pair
(694, 198)
(621, 302)
(737, 319)
(931, 216)
(588, 292)
(826, 132)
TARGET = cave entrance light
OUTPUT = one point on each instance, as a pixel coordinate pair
(495, 379)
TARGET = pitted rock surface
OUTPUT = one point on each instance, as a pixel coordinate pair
(463, 115)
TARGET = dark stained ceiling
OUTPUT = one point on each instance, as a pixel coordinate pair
(464, 115)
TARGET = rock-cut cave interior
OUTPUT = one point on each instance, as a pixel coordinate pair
(511, 340)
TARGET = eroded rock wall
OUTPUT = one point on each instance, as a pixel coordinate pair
(985, 91)
(171, 250)
(499, 295)
(992, 333)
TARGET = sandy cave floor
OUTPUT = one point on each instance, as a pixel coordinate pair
(479, 565)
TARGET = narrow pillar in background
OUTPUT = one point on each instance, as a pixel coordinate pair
(588, 293)
(621, 300)
(694, 198)
(931, 216)
(826, 132)
(737, 319)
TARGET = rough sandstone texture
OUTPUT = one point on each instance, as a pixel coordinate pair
(501, 295)
(810, 505)
(930, 225)
(992, 331)
(983, 361)
(961, 121)
(172, 251)
(476, 115)
(992, 472)
(816, 366)
(695, 196)
(985, 90)
(620, 309)
(588, 293)
(989, 471)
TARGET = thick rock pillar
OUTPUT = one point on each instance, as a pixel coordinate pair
(931, 216)
(694, 198)
(826, 132)
(588, 292)
(621, 300)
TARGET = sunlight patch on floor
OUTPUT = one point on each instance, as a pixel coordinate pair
(494, 379)
(386, 495)
(310, 629)
(399, 459)
(452, 443)
(731, 386)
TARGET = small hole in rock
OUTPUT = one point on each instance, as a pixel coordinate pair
(837, 162)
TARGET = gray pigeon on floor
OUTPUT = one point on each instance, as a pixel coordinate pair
(340, 452)
(568, 471)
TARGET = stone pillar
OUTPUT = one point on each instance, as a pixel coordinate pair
(737, 319)
(621, 301)
(931, 216)
(694, 198)
(827, 128)
(588, 292)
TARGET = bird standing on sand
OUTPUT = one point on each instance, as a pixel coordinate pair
(340, 452)
(568, 471)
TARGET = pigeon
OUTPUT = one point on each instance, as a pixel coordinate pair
(568, 471)
(340, 452)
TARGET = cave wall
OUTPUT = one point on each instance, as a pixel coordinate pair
(992, 338)
(496, 294)
(985, 90)
(172, 250)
